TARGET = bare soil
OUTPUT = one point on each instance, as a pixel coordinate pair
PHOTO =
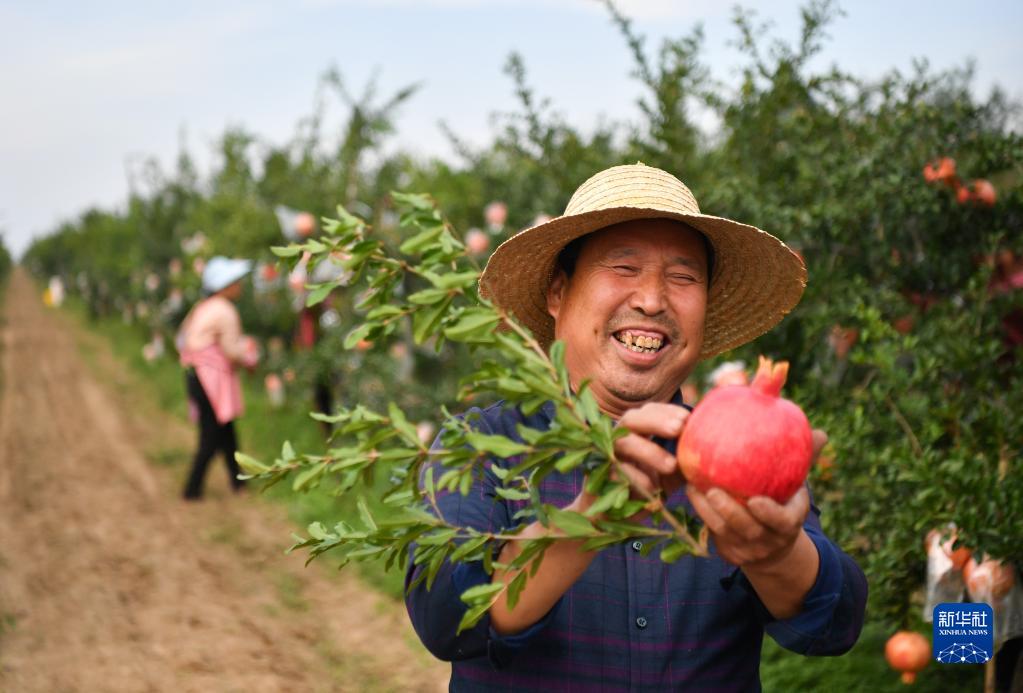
(110, 582)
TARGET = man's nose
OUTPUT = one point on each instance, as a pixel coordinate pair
(648, 296)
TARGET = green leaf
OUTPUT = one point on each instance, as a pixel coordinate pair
(473, 323)
(515, 589)
(611, 498)
(482, 593)
(512, 494)
(456, 280)
(420, 201)
(364, 513)
(468, 547)
(250, 465)
(359, 333)
(428, 297)
(421, 240)
(385, 311)
(674, 550)
(318, 293)
(317, 531)
(287, 452)
(571, 460)
(571, 523)
(471, 617)
(306, 477)
(425, 322)
(401, 423)
(286, 251)
(495, 445)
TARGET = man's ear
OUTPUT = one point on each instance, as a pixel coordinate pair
(556, 292)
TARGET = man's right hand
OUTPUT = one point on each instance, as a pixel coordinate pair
(648, 466)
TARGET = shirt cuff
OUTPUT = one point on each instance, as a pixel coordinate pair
(820, 601)
(501, 649)
(800, 632)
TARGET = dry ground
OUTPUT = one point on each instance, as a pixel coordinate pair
(109, 582)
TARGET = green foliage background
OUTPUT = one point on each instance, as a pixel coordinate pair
(924, 425)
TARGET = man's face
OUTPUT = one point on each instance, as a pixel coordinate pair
(632, 313)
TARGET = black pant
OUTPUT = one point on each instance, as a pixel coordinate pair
(213, 437)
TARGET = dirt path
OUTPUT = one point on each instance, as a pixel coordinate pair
(109, 582)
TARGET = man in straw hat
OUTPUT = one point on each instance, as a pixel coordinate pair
(641, 286)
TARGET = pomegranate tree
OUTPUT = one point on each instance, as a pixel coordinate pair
(748, 440)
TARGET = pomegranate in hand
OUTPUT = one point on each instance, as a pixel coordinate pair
(747, 440)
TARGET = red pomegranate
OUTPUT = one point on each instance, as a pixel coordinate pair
(747, 440)
(962, 195)
(941, 171)
(305, 224)
(904, 323)
(496, 214)
(959, 556)
(477, 242)
(268, 272)
(984, 193)
(908, 652)
(988, 579)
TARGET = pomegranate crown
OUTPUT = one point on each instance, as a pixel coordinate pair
(770, 377)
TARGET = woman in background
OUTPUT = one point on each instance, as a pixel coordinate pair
(211, 345)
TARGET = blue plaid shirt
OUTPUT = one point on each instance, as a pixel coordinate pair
(629, 622)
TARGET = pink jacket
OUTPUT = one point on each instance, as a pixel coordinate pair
(211, 342)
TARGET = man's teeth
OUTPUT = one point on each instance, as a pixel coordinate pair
(639, 343)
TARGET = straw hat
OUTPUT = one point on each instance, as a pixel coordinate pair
(756, 278)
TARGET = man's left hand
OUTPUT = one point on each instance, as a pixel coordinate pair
(760, 533)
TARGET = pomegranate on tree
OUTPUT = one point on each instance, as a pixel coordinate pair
(305, 224)
(984, 193)
(908, 652)
(941, 171)
(747, 440)
(987, 580)
(477, 242)
(959, 556)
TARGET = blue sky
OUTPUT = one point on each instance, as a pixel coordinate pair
(89, 88)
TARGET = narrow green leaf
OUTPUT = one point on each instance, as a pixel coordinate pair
(495, 445)
(481, 593)
(286, 251)
(401, 423)
(471, 617)
(367, 518)
(318, 293)
(674, 550)
(571, 460)
(515, 589)
(359, 333)
(250, 465)
(511, 494)
(571, 523)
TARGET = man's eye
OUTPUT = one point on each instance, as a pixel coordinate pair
(625, 268)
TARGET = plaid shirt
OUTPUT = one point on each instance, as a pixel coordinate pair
(629, 622)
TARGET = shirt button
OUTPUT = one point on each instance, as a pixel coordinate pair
(641, 622)
(637, 545)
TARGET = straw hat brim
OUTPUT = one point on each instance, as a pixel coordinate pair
(756, 278)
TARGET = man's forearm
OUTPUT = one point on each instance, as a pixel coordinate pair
(563, 563)
(783, 584)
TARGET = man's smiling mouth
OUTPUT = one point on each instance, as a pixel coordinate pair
(642, 342)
